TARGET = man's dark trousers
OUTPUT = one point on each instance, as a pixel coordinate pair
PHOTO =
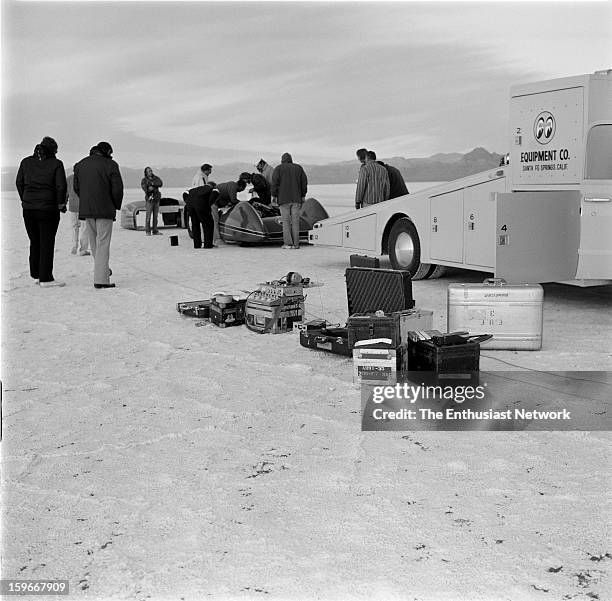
(204, 213)
(200, 211)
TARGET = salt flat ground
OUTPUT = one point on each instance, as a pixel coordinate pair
(147, 458)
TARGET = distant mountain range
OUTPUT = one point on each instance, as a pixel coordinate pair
(438, 167)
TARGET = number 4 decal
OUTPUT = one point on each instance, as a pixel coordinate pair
(503, 239)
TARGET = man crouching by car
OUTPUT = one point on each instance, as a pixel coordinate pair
(198, 204)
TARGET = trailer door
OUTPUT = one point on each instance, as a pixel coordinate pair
(446, 241)
(537, 236)
(360, 233)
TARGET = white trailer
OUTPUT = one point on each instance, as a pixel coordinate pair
(547, 216)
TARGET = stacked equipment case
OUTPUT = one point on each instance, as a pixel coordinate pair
(368, 290)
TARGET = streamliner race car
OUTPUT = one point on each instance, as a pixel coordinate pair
(253, 222)
(246, 222)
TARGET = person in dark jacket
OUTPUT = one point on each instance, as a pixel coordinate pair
(150, 185)
(228, 193)
(97, 181)
(289, 186)
(41, 184)
(397, 185)
(260, 188)
(200, 201)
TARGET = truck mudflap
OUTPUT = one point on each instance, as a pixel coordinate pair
(537, 236)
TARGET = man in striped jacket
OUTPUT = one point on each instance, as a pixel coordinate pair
(372, 185)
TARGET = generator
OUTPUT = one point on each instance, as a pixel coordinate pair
(274, 307)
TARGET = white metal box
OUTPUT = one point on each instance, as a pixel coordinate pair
(375, 362)
(511, 312)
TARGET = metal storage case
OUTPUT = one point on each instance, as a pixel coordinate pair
(511, 312)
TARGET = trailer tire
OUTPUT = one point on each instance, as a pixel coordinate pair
(405, 250)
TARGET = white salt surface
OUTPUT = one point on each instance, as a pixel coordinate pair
(147, 458)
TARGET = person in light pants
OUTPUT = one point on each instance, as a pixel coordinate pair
(98, 183)
(101, 231)
(80, 243)
(290, 216)
(289, 186)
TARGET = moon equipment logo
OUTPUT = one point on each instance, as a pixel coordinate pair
(544, 127)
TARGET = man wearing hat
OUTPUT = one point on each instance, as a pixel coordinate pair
(98, 183)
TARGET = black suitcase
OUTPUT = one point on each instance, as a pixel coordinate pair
(199, 309)
(455, 365)
(364, 261)
(369, 290)
(332, 340)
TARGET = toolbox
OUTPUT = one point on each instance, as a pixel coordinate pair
(369, 290)
(199, 309)
(332, 340)
(369, 325)
(511, 312)
(451, 364)
(379, 361)
(364, 261)
(395, 325)
(226, 314)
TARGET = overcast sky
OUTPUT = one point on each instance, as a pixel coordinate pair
(181, 83)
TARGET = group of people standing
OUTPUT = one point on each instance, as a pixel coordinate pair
(284, 186)
(94, 193)
(94, 196)
(377, 181)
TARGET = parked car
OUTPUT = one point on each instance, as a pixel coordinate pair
(171, 211)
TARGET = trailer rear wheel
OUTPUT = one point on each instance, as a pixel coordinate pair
(405, 250)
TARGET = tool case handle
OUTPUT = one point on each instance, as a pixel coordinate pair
(494, 282)
(480, 338)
